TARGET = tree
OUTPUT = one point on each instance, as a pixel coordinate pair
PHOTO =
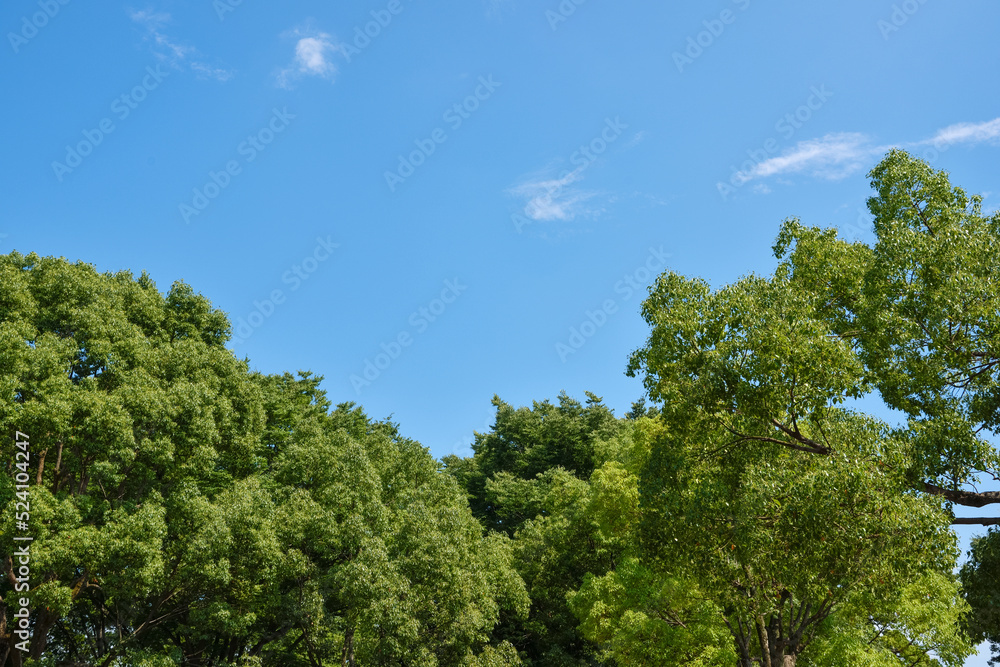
(135, 411)
(187, 511)
(920, 310)
(637, 613)
(980, 577)
(528, 478)
(787, 507)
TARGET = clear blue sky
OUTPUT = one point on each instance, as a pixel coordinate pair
(469, 181)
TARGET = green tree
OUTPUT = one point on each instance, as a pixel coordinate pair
(187, 511)
(132, 403)
(981, 580)
(920, 312)
(785, 506)
(639, 614)
(529, 478)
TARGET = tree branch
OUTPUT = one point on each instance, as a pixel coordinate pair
(966, 498)
(976, 521)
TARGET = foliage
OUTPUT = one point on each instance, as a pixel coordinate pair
(188, 511)
(529, 478)
(980, 577)
(787, 508)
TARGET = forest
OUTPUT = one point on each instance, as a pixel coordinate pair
(183, 509)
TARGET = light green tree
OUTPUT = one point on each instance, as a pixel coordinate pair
(786, 506)
(638, 613)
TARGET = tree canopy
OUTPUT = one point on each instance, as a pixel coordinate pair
(189, 511)
(770, 480)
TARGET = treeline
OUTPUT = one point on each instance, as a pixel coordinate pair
(187, 511)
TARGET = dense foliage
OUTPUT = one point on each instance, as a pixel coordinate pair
(189, 511)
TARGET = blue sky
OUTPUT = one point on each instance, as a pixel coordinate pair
(468, 199)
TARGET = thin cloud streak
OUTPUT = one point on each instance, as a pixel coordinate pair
(549, 199)
(167, 50)
(835, 156)
(967, 133)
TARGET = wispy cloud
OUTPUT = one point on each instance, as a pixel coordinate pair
(964, 133)
(170, 51)
(209, 72)
(835, 156)
(547, 198)
(313, 57)
(153, 22)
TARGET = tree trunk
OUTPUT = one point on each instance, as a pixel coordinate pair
(41, 468)
(58, 470)
(44, 620)
(765, 646)
(347, 657)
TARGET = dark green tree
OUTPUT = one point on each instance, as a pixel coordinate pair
(529, 478)
(187, 511)
(980, 577)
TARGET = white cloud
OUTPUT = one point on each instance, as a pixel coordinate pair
(313, 54)
(147, 17)
(967, 133)
(208, 72)
(170, 51)
(835, 156)
(549, 199)
(163, 47)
